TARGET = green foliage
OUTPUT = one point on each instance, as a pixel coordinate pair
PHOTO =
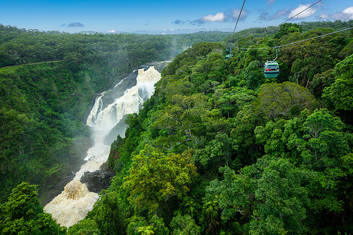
(339, 94)
(283, 100)
(38, 128)
(347, 50)
(22, 213)
(318, 143)
(287, 28)
(269, 193)
(159, 226)
(156, 226)
(155, 177)
(107, 215)
(188, 58)
(254, 75)
(87, 226)
(184, 225)
(320, 81)
(218, 149)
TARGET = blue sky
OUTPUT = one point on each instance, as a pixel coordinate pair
(161, 16)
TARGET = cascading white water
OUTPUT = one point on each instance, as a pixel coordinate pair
(73, 204)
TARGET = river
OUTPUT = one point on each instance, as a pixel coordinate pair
(106, 120)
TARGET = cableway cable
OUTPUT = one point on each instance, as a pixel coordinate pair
(277, 47)
(295, 42)
(290, 18)
(241, 10)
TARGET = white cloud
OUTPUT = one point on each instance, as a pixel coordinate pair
(219, 17)
(346, 14)
(235, 14)
(307, 13)
(112, 31)
(348, 11)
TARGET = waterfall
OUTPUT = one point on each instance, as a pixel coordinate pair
(105, 120)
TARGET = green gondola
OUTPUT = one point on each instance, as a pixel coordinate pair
(271, 69)
(229, 53)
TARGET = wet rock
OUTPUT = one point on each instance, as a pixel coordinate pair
(98, 180)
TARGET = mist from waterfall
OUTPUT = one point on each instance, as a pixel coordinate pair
(106, 121)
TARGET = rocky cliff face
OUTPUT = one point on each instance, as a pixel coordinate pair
(98, 180)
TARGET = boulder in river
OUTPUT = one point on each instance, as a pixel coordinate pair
(98, 180)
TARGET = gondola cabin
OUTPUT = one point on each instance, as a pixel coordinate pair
(271, 69)
(229, 53)
(229, 56)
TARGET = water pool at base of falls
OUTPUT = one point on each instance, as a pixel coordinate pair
(73, 204)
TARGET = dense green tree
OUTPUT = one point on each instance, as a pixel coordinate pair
(107, 216)
(339, 94)
(283, 100)
(316, 142)
(288, 28)
(22, 213)
(184, 224)
(254, 75)
(155, 177)
(269, 193)
(155, 226)
(87, 226)
(138, 225)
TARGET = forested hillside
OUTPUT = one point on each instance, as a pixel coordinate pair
(48, 81)
(219, 149)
